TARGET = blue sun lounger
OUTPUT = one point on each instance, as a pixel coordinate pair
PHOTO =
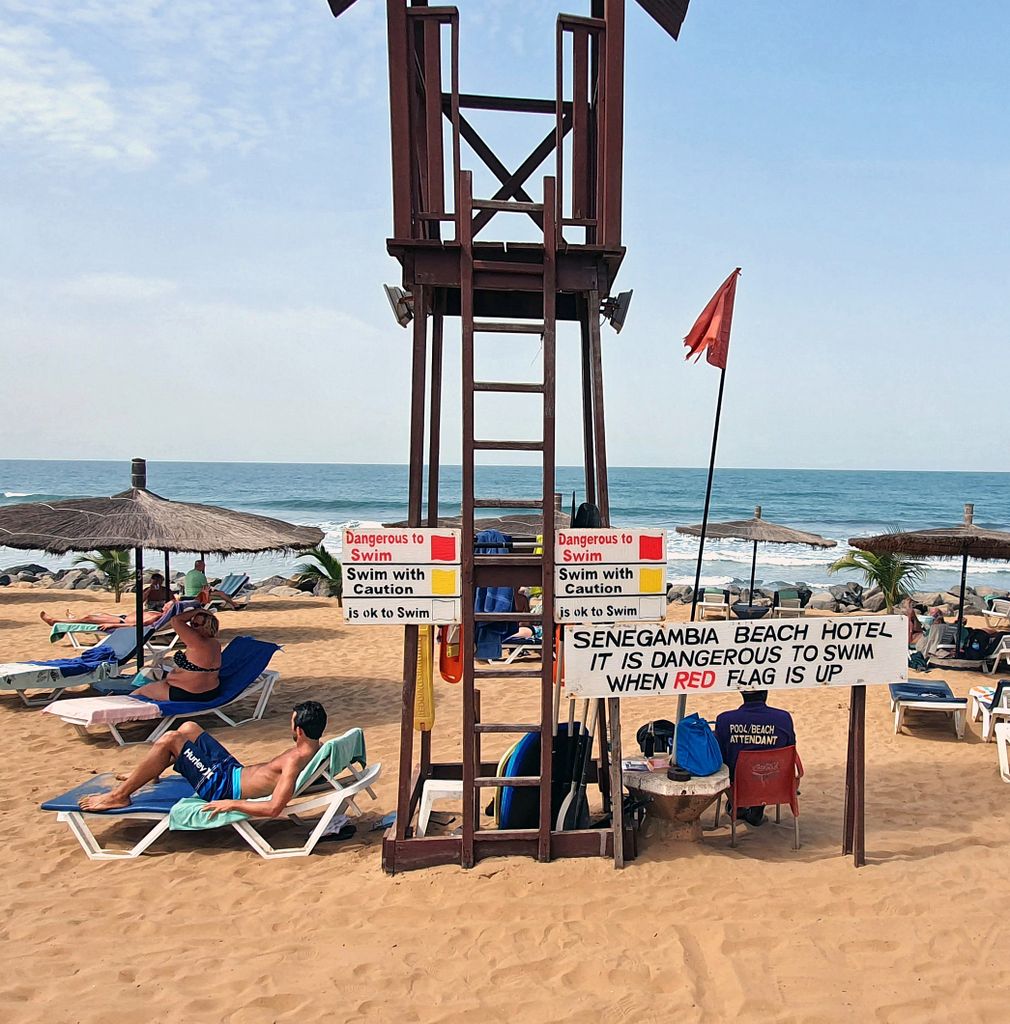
(243, 675)
(327, 786)
(918, 695)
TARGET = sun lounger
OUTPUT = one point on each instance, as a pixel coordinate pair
(998, 615)
(992, 707)
(1001, 653)
(157, 642)
(786, 604)
(916, 695)
(94, 665)
(231, 586)
(714, 604)
(976, 695)
(243, 675)
(326, 787)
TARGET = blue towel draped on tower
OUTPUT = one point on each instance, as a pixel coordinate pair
(488, 636)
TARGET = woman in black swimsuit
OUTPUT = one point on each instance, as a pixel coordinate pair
(194, 676)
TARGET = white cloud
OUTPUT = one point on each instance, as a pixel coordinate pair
(117, 288)
(125, 84)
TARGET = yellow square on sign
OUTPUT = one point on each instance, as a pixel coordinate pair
(443, 582)
(650, 581)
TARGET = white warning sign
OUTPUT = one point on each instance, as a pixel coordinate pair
(407, 575)
(702, 658)
(610, 575)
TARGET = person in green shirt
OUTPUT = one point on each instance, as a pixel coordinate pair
(196, 579)
(195, 583)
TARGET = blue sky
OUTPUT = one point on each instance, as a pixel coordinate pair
(194, 200)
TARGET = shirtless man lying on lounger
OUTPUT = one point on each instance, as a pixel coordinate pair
(217, 775)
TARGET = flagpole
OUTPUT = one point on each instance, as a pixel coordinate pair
(682, 698)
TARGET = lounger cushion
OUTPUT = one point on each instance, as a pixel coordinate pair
(154, 798)
(915, 690)
(104, 710)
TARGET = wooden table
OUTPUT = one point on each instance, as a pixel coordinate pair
(683, 803)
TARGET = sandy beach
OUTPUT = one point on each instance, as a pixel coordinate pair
(201, 929)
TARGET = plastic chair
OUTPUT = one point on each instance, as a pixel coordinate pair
(767, 777)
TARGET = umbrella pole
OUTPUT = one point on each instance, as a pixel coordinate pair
(960, 610)
(753, 570)
(168, 578)
(139, 573)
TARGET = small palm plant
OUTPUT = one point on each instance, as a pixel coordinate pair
(895, 574)
(113, 565)
(326, 567)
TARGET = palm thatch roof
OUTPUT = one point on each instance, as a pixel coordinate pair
(139, 518)
(967, 539)
(758, 529)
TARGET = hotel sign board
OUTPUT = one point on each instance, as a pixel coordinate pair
(610, 575)
(401, 576)
(701, 658)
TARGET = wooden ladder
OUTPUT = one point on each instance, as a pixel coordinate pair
(533, 565)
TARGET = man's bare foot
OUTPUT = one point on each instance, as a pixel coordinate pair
(48, 619)
(104, 802)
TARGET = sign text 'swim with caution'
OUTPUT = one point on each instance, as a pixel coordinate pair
(401, 576)
(610, 575)
(716, 657)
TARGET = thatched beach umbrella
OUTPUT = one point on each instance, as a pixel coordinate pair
(759, 531)
(138, 519)
(964, 541)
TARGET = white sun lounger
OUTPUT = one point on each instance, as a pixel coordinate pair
(153, 803)
(22, 677)
(998, 615)
(87, 713)
(991, 709)
(155, 644)
(713, 603)
(917, 695)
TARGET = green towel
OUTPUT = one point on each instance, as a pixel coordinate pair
(60, 629)
(188, 816)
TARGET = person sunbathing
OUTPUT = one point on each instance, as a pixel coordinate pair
(101, 619)
(217, 775)
(195, 672)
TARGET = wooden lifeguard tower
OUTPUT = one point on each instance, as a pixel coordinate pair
(501, 290)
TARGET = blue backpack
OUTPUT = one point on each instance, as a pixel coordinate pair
(697, 749)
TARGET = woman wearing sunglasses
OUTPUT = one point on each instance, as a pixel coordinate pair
(194, 673)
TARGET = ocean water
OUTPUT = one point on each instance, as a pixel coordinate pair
(836, 504)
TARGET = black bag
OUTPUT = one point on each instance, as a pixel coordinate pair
(977, 643)
(655, 736)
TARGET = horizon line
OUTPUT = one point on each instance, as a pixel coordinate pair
(509, 465)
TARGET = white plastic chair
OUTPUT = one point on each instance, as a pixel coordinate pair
(998, 615)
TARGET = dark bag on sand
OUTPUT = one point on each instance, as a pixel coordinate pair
(655, 736)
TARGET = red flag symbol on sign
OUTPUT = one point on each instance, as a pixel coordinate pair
(443, 549)
(650, 549)
(710, 333)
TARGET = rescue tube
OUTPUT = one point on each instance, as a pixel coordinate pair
(424, 688)
(450, 653)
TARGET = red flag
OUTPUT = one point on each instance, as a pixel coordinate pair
(710, 333)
